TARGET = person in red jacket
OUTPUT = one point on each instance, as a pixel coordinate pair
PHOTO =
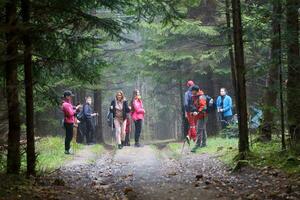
(69, 118)
(198, 112)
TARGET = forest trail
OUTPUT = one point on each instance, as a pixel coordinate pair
(155, 172)
(146, 173)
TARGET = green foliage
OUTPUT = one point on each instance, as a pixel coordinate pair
(231, 131)
(271, 154)
(97, 149)
(50, 151)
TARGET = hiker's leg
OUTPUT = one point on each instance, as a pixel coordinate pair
(127, 139)
(123, 131)
(79, 138)
(192, 127)
(85, 131)
(118, 131)
(204, 133)
(228, 120)
(138, 129)
(200, 131)
(69, 136)
(88, 131)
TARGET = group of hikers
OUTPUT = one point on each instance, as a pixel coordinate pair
(78, 120)
(197, 106)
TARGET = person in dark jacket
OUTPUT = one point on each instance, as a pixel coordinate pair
(188, 103)
(88, 115)
(120, 109)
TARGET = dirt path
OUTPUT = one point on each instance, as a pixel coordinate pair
(144, 173)
(152, 173)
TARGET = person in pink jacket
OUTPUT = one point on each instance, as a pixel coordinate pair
(137, 115)
(69, 118)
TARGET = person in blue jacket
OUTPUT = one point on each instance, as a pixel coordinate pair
(224, 107)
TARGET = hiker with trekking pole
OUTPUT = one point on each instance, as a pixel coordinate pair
(119, 109)
(197, 107)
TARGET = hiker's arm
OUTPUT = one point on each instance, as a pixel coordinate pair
(127, 109)
(218, 103)
(228, 106)
(186, 101)
(111, 108)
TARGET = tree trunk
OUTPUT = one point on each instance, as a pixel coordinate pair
(30, 151)
(240, 78)
(98, 109)
(293, 58)
(270, 94)
(212, 123)
(230, 50)
(11, 69)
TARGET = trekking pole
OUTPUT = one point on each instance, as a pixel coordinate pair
(183, 147)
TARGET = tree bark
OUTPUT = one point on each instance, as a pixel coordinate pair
(293, 58)
(11, 70)
(230, 50)
(240, 78)
(30, 151)
(270, 94)
(98, 109)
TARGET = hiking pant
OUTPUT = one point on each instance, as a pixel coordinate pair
(89, 130)
(127, 139)
(193, 120)
(120, 127)
(225, 121)
(69, 135)
(80, 132)
(138, 129)
(202, 134)
(192, 133)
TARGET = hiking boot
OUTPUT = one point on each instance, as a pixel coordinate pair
(67, 152)
(137, 144)
(194, 150)
(123, 143)
(203, 145)
(120, 146)
(187, 139)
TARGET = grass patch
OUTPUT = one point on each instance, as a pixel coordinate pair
(226, 148)
(261, 155)
(270, 154)
(97, 149)
(51, 155)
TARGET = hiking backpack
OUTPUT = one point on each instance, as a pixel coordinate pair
(81, 116)
(209, 106)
